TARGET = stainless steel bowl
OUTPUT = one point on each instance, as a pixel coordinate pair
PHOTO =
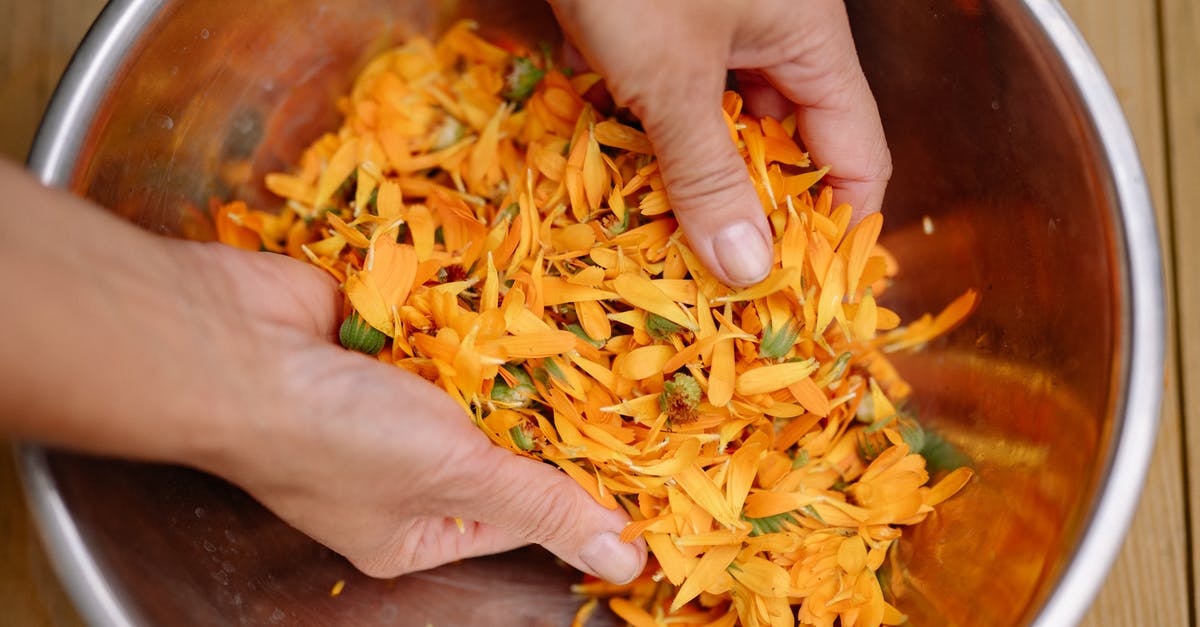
(1008, 143)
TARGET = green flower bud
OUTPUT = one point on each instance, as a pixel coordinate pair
(356, 335)
(523, 77)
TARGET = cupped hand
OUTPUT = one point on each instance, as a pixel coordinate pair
(124, 343)
(667, 61)
(377, 463)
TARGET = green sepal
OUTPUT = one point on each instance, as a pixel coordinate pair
(523, 77)
(777, 344)
(517, 394)
(659, 328)
(770, 524)
(520, 438)
(356, 335)
(941, 455)
(577, 329)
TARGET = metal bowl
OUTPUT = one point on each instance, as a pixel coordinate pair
(1015, 174)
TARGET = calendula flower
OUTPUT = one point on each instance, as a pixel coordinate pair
(495, 234)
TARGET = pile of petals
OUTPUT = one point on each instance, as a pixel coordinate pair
(495, 234)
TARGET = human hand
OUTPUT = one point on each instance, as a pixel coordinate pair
(667, 62)
(375, 462)
(129, 344)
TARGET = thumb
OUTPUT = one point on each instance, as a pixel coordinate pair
(542, 505)
(707, 181)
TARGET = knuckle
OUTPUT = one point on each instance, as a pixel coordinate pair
(711, 188)
(883, 160)
(548, 516)
(405, 552)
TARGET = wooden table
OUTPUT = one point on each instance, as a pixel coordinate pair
(1150, 49)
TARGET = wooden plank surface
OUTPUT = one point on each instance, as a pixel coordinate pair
(1181, 53)
(36, 42)
(1149, 584)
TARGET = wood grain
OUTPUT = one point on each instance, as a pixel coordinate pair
(1181, 52)
(1149, 584)
(36, 42)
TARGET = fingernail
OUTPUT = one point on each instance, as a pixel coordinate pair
(610, 559)
(742, 253)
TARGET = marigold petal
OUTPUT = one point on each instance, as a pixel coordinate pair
(764, 379)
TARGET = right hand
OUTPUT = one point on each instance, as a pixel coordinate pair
(666, 60)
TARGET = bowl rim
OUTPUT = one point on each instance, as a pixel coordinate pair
(78, 96)
(1143, 333)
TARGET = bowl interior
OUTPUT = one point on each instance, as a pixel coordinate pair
(1000, 184)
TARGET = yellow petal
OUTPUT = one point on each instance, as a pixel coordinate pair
(390, 201)
(811, 396)
(833, 290)
(763, 504)
(684, 457)
(949, 485)
(711, 566)
(893, 616)
(422, 228)
(602, 375)
(573, 237)
(654, 203)
(865, 318)
(763, 577)
(617, 135)
(858, 246)
(369, 303)
(642, 293)
(631, 613)
(679, 290)
(328, 248)
(591, 276)
(697, 485)
(341, 165)
(820, 255)
(533, 345)
(674, 564)
(764, 379)
(489, 297)
(595, 174)
(742, 468)
(779, 279)
(353, 236)
(711, 538)
(644, 362)
(367, 185)
(800, 183)
(881, 405)
(721, 377)
(594, 320)
(290, 187)
(852, 555)
(392, 268)
(557, 291)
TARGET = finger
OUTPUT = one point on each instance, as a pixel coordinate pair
(424, 543)
(297, 295)
(760, 96)
(706, 180)
(541, 505)
(836, 114)
(572, 58)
